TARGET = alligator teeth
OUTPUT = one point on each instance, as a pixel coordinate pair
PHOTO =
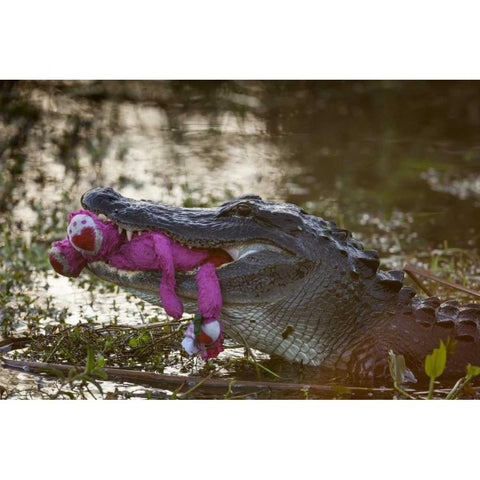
(234, 252)
(242, 250)
(120, 230)
(129, 235)
(102, 217)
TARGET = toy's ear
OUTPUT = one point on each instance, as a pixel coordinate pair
(84, 235)
(65, 260)
(59, 262)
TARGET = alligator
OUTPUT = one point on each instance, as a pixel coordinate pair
(298, 287)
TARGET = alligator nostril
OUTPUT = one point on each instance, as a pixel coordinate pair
(287, 332)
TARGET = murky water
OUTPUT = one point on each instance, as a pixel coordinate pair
(396, 162)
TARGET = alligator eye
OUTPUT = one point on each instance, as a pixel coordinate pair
(244, 209)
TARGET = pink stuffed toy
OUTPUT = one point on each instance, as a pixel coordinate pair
(90, 239)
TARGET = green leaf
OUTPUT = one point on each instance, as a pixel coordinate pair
(133, 342)
(90, 360)
(100, 373)
(197, 324)
(436, 361)
(100, 360)
(397, 366)
(451, 345)
(472, 370)
(99, 387)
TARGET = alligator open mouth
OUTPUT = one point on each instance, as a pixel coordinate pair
(231, 260)
(255, 250)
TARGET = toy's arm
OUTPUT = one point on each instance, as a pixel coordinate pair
(170, 301)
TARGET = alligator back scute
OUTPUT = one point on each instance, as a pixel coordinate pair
(433, 302)
(426, 310)
(470, 314)
(447, 314)
(407, 293)
(468, 323)
(464, 320)
(367, 263)
(391, 281)
(341, 235)
(397, 275)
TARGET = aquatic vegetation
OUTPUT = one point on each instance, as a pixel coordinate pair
(435, 363)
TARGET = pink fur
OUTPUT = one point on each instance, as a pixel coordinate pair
(65, 259)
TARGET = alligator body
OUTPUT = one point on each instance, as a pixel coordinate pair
(298, 287)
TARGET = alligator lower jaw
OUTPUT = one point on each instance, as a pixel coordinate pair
(147, 282)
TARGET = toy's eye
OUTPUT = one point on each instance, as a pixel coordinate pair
(244, 209)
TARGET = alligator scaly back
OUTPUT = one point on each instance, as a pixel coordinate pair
(425, 320)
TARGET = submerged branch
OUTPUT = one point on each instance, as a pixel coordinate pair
(408, 268)
(172, 382)
(7, 344)
(413, 271)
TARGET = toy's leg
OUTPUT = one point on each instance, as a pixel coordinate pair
(65, 259)
(206, 336)
(170, 301)
(189, 341)
(209, 294)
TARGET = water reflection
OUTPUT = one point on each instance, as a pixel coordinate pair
(369, 146)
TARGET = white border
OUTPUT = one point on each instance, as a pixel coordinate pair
(248, 39)
(224, 439)
(251, 39)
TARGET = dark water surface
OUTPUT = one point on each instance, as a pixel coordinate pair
(398, 163)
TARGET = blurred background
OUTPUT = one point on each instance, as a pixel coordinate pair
(391, 156)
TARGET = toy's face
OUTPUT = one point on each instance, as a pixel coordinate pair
(87, 237)
(85, 233)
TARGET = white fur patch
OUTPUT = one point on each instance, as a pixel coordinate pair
(212, 329)
(188, 345)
